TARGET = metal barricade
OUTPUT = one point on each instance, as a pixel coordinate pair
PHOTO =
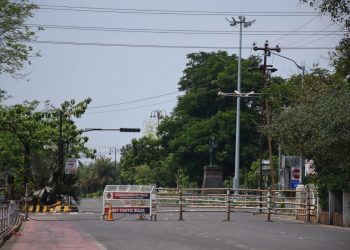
(301, 204)
(8, 215)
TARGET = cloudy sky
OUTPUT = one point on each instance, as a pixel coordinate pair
(128, 55)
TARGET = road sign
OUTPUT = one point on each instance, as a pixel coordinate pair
(266, 164)
(294, 184)
(295, 173)
(71, 166)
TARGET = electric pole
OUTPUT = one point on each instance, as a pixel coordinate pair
(267, 70)
(242, 22)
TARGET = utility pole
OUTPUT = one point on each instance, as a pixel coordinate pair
(267, 70)
(60, 144)
(242, 22)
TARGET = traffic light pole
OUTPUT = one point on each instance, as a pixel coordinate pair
(113, 129)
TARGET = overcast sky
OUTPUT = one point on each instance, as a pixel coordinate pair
(103, 57)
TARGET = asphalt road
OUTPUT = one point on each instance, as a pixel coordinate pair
(86, 231)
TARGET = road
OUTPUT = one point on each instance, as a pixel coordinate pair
(245, 231)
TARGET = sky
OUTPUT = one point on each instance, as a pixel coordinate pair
(128, 55)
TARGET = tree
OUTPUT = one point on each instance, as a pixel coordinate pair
(35, 143)
(201, 114)
(26, 129)
(14, 34)
(70, 143)
(316, 125)
(94, 177)
(140, 156)
(340, 13)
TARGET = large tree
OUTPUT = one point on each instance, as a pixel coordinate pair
(14, 35)
(181, 148)
(141, 162)
(34, 144)
(22, 125)
(316, 125)
(96, 175)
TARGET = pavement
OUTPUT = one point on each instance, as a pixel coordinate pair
(51, 234)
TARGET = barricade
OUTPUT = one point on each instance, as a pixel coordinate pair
(8, 215)
(132, 199)
(300, 204)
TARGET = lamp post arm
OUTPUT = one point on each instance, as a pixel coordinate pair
(290, 59)
(299, 67)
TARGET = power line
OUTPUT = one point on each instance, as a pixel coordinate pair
(302, 39)
(298, 28)
(315, 40)
(182, 31)
(164, 46)
(131, 108)
(134, 101)
(173, 12)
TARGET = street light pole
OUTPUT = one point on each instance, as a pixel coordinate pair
(298, 66)
(159, 114)
(241, 22)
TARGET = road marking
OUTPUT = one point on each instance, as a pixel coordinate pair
(99, 245)
(243, 246)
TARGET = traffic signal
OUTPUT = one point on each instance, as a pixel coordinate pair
(129, 130)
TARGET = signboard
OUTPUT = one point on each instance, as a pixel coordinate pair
(130, 196)
(129, 210)
(309, 167)
(133, 199)
(266, 165)
(71, 166)
(295, 175)
(294, 184)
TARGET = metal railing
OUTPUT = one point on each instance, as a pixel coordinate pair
(8, 215)
(300, 203)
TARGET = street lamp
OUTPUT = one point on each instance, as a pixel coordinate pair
(159, 114)
(298, 66)
(241, 22)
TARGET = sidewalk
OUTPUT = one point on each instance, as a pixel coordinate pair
(35, 235)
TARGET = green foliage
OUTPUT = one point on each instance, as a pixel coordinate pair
(22, 125)
(181, 148)
(340, 14)
(95, 176)
(201, 114)
(14, 35)
(35, 143)
(144, 161)
(316, 126)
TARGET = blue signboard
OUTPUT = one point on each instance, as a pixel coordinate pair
(294, 184)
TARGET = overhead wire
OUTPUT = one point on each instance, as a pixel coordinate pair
(171, 12)
(315, 40)
(134, 101)
(165, 46)
(179, 31)
(304, 38)
(297, 29)
(130, 108)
